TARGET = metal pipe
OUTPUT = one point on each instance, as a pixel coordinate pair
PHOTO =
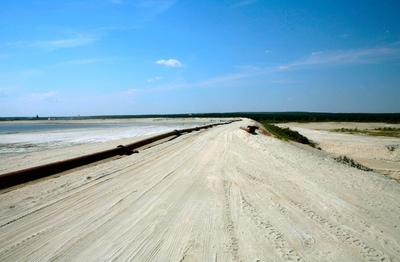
(32, 173)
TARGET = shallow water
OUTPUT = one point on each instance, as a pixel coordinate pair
(25, 137)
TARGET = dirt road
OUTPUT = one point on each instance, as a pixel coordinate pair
(214, 195)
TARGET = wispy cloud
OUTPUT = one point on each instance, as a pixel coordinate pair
(146, 10)
(85, 61)
(243, 3)
(142, 10)
(79, 40)
(233, 77)
(169, 62)
(340, 57)
(230, 78)
(114, 28)
(247, 73)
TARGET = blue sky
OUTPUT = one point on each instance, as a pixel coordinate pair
(91, 57)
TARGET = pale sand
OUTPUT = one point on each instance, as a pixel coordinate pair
(14, 162)
(336, 125)
(26, 160)
(215, 195)
(377, 152)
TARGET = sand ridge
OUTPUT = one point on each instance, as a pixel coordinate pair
(214, 195)
(40, 153)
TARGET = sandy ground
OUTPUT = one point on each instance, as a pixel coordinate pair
(214, 195)
(336, 125)
(26, 160)
(13, 162)
(377, 152)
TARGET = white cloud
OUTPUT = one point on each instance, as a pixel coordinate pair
(169, 62)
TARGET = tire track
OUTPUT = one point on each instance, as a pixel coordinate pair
(271, 233)
(369, 253)
(233, 245)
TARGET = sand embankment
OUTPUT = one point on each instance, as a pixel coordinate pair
(91, 140)
(377, 152)
(214, 195)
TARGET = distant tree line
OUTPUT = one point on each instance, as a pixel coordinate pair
(272, 117)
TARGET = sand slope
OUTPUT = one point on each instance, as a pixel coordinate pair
(377, 152)
(214, 195)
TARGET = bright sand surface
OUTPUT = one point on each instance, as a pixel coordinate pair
(215, 195)
(32, 148)
(377, 152)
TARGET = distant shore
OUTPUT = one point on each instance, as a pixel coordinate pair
(270, 116)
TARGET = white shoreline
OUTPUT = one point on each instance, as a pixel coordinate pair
(59, 145)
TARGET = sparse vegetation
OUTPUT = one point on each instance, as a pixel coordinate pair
(381, 131)
(392, 148)
(351, 162)
(287, 134)
(387, 129)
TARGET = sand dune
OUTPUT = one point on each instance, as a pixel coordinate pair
(214, 195)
